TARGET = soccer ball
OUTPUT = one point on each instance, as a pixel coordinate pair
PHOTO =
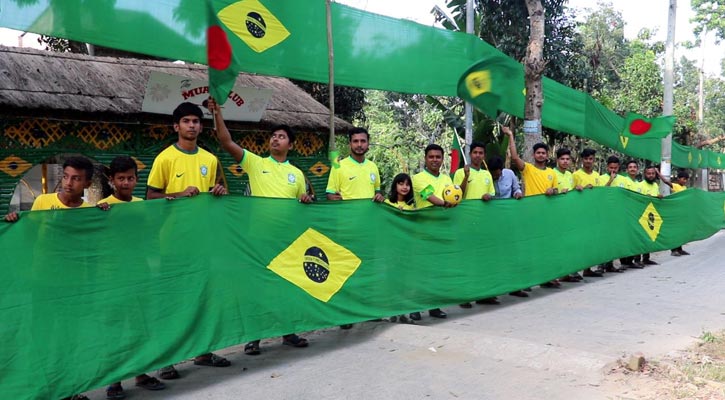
(453, 194)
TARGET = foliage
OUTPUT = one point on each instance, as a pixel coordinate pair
(709, 16)
(400, 126)
(349, 101)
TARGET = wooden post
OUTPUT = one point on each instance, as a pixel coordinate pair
(331, 69)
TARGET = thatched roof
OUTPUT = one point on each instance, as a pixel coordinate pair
(33, 81)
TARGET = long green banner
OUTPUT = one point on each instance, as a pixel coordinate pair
(90, 297)
(288, 38)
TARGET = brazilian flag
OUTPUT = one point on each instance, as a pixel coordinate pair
(315, 264)
(252, 22)
(492, 84)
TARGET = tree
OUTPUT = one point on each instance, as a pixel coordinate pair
(349, 101)
(533, 71)
(709, 16)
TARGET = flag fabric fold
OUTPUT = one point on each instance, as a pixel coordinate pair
(223, 67)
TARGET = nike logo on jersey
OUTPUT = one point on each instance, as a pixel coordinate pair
(266, 172)
(180, 175)
(352, 177)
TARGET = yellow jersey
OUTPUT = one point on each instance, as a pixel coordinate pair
(175, 169)
(564, 180)
(400, 205)
(676, 187)
(112, 199)
(271, 178)
(582, 178)
(537, 181)
(426, 184)
(650, 189)
(631, 184)
(479, 183)
(51, 201)
(354, 180)
(618, 181)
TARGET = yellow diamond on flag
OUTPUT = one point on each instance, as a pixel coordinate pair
(478, 83)
(14, 166)
(139, 165)
(236, 169)
(254, 24)
(315, 264)
(624, 140)
(651, 221)
(689, 157)
(699, 158)
(319, 169)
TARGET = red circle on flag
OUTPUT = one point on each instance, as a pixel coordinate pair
(218, 49)
(639, 127)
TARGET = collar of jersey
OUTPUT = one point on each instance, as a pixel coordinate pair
(355, 161)
(196, 150)
(277, 162)
(428, 172)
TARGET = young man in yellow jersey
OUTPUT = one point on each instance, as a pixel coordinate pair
(476, 184)
(185, 170)
(356, 177)
(123, 176)
(610, 179)
(428, 188)
(586, 177)
(677, 186)
(564, 178)
(475, 181)
(271, 176)
(77, 175)
(538, 178)
(631, 183)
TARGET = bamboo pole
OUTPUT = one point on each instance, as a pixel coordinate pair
(331, 84)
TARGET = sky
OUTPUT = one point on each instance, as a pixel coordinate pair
(637, 14)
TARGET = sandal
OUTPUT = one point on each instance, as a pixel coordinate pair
(294, 341)
(169, 373)
(252, 348)
(115, 392)
(151, 383)
(212, 360)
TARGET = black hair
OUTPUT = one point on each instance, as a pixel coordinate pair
(563, 152)
(186, 108)
(631, 162)
(588, 152)
(613, 159)
(683, 174)
(290, 133)
(650, 166)
(495, 163)
(122, 164)
(80, 163)
(478, 144)
(393, 196)
(538, 146)
(355, 131)
(433, 146)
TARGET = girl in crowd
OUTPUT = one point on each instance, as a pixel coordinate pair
(401, 193)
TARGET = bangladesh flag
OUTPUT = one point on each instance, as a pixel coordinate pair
(457, 157)
(223, 69)
(636, 125)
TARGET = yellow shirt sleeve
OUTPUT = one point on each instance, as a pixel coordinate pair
(490, 188)
(458, 176)
(377, 178)
(159, 175)
(333, 182)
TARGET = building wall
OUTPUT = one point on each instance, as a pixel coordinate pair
(28, 142)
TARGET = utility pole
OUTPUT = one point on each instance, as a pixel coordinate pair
(668, 109)
(704, 176)
(468, 107)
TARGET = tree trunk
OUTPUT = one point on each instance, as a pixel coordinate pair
(534, 69)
